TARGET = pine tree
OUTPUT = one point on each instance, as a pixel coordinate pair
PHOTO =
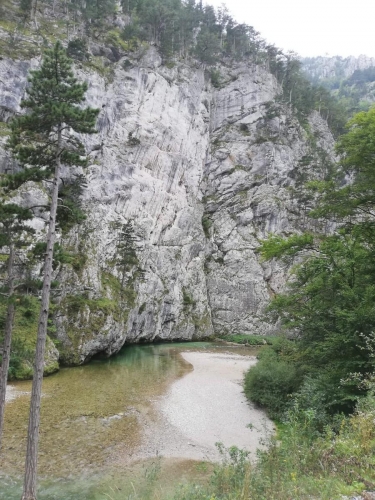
(42, 140)
(126, 254)
(207, 48)
(12, 233)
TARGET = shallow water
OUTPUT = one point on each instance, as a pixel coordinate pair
(89, 414)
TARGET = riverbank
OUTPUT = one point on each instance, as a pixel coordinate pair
(152, 412)
(204, 407)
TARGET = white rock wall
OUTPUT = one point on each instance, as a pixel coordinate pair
(215, 154)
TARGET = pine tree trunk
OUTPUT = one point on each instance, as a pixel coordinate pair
(7, 338)
(30, 481)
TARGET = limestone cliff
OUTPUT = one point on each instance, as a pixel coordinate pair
(203, 173)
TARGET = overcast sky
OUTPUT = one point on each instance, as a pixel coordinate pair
(311, 27)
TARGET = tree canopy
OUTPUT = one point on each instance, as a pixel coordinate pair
(329, 304)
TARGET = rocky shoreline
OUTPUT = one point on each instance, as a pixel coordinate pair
(205, 407)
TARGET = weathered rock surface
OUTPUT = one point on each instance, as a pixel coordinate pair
(203, 173)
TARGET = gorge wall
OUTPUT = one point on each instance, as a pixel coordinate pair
(203, 173)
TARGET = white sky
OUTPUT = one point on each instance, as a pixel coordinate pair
(310, 27)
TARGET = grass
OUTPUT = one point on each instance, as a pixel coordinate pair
(4, 129)
(295, 466)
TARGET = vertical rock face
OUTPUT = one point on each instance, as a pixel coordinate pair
(256, 147)
(203, 175)
(154, 135)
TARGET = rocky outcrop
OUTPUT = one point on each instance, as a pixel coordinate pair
(203, 174)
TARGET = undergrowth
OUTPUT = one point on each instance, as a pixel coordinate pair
(295, 465)
(24, 337)
(249, 339)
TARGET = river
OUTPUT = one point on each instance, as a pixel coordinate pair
(145, 419)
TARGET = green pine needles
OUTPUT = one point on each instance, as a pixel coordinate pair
(53, 101)
(43, 140)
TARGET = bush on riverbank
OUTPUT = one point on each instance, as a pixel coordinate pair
(270, 383)
(297, 465)
(256, 340)
(24, 339)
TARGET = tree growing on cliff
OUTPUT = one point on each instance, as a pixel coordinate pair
(43, 140)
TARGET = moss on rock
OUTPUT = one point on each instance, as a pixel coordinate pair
(24, 341)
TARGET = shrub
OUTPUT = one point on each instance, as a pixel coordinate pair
(215, 78)
(256, 340)
(187, 299)
(77, 49)
(206, 225)
(127, 64)
(270, 382)
(308, 406)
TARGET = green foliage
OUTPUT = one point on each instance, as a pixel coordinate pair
(24, 337)
(127, 262)
(14, 235)
(60, 254)
(94, 12)
(207, 48)
(206, 225)
(25, 6)
(297, 464)
(343, 198)
(77, 49)
(249, 339)
(329, 302)
(126, 254)
(78, 303)
(306, 97)
(362, 76)
(277, 246)
(271, 381)
(309, 404)
(216, 78)
(181, 29)
(69, 209)
(47, 135)
(352, 94)
(52, 102)
(13, 227)
(187, 299)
